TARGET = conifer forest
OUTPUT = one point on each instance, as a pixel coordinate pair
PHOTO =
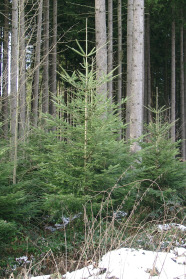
(92, 125)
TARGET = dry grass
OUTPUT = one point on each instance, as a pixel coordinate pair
(105, 232)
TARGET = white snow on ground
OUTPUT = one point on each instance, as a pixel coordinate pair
(128, 263)
(166, 227)
(42, 277)
(65, 222)
(132, 264)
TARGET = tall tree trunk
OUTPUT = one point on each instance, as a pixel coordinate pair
(129, 62)
(184, 34)
(35, 89)
(145, 101)
(120, 61)
(166, 78)
(53, 85)
(137, 84)
(1, 70)
(101, 40)
(110, 46)
(22, 67)
(45, 101)
(5, 110)
(173, 83)
(147, 87)
(14, 85)
(86, 109)
(148, 68)
(182, 93)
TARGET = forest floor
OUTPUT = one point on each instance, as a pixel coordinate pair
(133, 263)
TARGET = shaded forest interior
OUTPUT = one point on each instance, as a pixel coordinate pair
(92, 119)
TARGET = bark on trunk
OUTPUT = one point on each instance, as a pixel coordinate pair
(120, 61)
(22, 67)
(5, 110)
(101, 39)
(148, 69)
(173, 84)
(45, 101)
(53, 85)
(182, 93)
(14, 85)
(37, 66)
(137, 84)
(14, 66)
(1, 67)
(147, 87)
(110, 46)
(184, 34)
(129, 62)
(145, 101)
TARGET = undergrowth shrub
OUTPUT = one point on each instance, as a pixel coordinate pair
(7, 229)
(162, 173)
(77, 154)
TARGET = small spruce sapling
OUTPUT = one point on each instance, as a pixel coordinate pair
(83, 156)
(163, 174)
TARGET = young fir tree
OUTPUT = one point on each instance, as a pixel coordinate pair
(82, 155)
(161, 171)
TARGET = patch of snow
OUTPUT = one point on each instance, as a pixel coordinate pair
(50, 228)
(119, 214)
(42, 277)
(180, 260)
(128, 263)
(23, 259)
(180, 251)
(166, 227)
(76, 216)
(65, 220)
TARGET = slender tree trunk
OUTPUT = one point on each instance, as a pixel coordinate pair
(110, 46)
(137, 84)
(53, 85)
(166, 78)
(45, 101)
(149, 118)
(120, 61)
(22, 67)
(14, 85)
(129, 62)
(86, 108)
(184, 34)
(14, 66)
(173, 84)
(37, 65)
(5, 110)
(145, 101)
(182, 93)
(148, 70)
(101, 40)
(1, 70)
